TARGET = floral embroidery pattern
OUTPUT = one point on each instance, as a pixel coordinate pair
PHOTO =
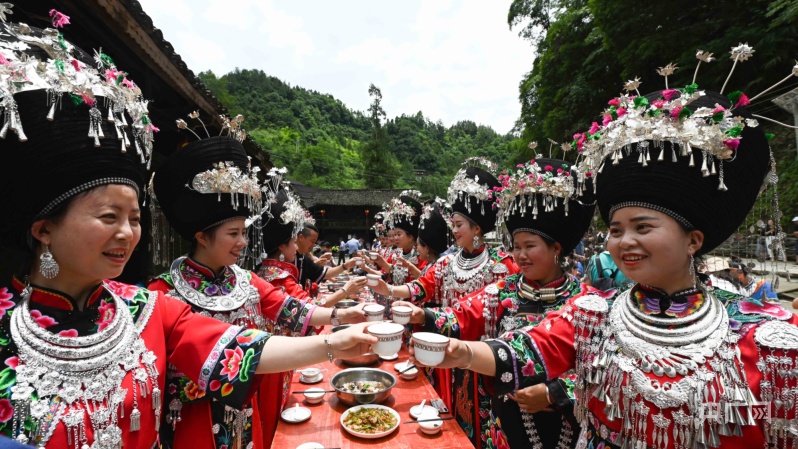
(58, 320)
(232, 362)
(5, 301)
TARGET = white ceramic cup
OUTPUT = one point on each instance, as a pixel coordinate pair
(429, 348)
(389, 336)
(373, 279)
(401, 314)
(373, 255)
(375, 312)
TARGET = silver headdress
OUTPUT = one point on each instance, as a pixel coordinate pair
(63, 76)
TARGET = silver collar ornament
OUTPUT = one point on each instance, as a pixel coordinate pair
(630, 364)
(240, 307)
(73, 377)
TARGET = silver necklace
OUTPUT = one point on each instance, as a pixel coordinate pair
(530, 293)
(222, 303)
(465, 268)
(400, 273)
(79, 376)
(240, 307)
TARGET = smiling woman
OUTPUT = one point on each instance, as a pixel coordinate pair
(85, 355)
(209, 194)
(656, 364)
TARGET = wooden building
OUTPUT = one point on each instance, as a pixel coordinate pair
(127, 34)
(342, 212)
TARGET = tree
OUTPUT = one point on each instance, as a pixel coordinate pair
(380, 171)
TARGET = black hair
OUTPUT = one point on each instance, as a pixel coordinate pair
(308, 229)
(210, 232)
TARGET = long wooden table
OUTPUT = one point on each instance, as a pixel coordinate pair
(324, 426)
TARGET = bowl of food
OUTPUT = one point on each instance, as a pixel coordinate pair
(361, 360)
(370, 421)
(355, 386)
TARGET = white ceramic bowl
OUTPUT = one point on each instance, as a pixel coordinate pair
(373, 255)
(295, 414)
(429, 348)
(310, 446)
(430, 427)
(311, 380)
(371, 435)
(399, 366)
(410, 374)
(310, 373)
(373, 279)
(314, 395)
(374, 312)
(389, 336)
(416, 411)
(401, 314)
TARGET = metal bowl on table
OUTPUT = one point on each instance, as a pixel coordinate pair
(346, 303)
(363, 374)
(361, 360)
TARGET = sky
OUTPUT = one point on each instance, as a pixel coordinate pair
(451, 59)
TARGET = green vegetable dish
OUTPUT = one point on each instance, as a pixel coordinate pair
(370, 420)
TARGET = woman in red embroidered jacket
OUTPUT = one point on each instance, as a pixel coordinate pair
(541, 236)
(205, 190)
(85, 356)
(279, 270)
(671, 363)
(279, 241)
(402, 218)
(471, 267)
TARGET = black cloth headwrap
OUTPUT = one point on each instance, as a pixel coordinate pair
(555, 225)
(434, 231)
(481, 212)
(409, 224)
(276, 232)
(58, 161)
(187, 210)
(681, 191)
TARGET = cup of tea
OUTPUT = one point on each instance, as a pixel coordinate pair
(401, 314)
(373, 279)
(375, 312)
(429, 348)
(389, 336)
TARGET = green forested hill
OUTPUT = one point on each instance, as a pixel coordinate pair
(326, 144)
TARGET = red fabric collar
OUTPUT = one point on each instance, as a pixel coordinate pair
(287, 266)
(54, 298)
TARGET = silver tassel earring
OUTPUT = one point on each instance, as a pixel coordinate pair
(476, 242)
(48, 267)
(282, 258)
(556, 259)
(692, 270)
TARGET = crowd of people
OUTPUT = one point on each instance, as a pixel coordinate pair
(652, 352)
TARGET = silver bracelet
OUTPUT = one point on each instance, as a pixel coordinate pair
(471, 360)
(548, 396)
(391, 291)
(329, 347)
